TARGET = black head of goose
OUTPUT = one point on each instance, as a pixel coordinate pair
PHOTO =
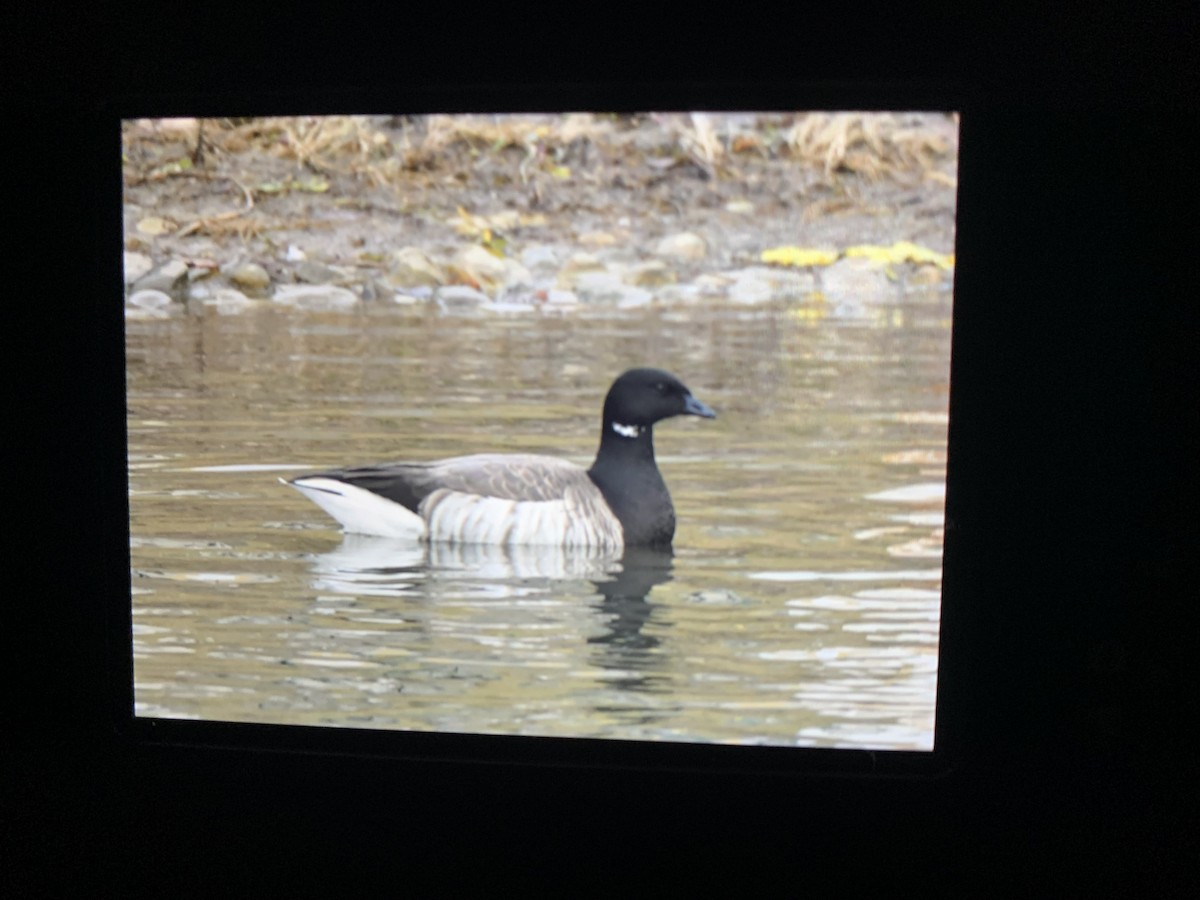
(525, 498)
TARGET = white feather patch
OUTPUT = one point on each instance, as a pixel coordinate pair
(360, 511)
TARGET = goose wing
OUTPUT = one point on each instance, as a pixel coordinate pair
(519, 477)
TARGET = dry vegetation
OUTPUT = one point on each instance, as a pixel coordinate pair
(875, 146)
(369, 183)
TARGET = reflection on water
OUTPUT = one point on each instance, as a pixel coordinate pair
(801, 605)
(392, 566)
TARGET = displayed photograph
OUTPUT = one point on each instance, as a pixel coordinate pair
(628, 426)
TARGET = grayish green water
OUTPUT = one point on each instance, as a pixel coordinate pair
(801, 606)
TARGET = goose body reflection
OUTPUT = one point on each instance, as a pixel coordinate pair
(364, 560)
(601, 597)
(382, 566)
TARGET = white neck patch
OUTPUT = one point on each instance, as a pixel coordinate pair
(629, 431)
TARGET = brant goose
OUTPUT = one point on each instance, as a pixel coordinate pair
(524, 498)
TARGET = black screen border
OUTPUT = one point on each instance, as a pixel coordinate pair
(513, 750)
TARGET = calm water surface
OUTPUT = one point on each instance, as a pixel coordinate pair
(800, 607)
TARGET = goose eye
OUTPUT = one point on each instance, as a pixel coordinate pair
(662, 388)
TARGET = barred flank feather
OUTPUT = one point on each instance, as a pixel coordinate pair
(483, 502)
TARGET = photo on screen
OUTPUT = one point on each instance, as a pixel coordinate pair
(676, 386)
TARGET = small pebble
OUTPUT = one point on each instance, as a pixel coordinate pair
(150, 299)
(460, 297)
(412, 267)
(228, 302)
(541, 258)
(250, 276)
(311, 272)
(315, 297)
(685, 245)
(650, 274)
(136, 265)
(480, 266)
(859, 279)
(596, 286)
(596, 239)
(170, 278)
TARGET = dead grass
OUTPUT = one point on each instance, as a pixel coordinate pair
(874, 145)
(871, 145)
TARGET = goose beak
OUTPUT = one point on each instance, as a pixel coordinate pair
(693, 407)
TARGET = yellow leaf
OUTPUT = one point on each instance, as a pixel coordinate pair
(315, 185)
(882, 255)
(902, 252)
(153, 226)
(493, 243)
(468, 224)
(914, 253)
(561, 172)
(799, 256)
(808, 314)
